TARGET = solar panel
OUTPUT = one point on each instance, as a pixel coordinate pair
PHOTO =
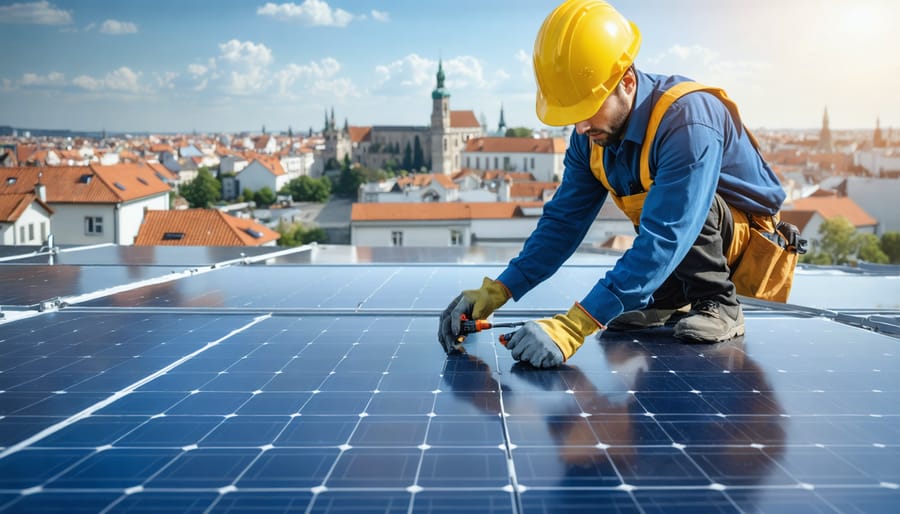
(321, 388)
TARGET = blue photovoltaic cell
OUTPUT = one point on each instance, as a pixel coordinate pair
(119, 410)
(23, 284)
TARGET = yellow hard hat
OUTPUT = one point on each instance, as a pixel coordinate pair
(580, 54)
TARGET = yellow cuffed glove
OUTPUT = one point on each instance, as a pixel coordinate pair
(475, 304)
(546, 343)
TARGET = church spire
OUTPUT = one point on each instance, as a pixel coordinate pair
(878, 139)
(501, 127)
(440, 91)
(825, 134)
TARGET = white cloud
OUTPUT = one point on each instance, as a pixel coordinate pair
(411, 71)
(197, 70)
(314, 78)
(122, 80)
(117, 28)
(35, 13)
(165, 80)
(310, 12)
(247, 66)
(381, 16)
(54, 78)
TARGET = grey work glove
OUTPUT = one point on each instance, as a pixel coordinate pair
(475, 304)
(533, 345)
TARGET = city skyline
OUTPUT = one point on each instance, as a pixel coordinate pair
(235, 65)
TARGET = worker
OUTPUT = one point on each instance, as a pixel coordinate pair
(675, 157)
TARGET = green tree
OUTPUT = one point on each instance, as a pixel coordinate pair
(297, 234)
(308, 189)
(418, 160)
(890, 245)
(203, 191)
(519, 132)
(349, 181)
(264, 197)
(246, 195)
(332, 164)
(407, 157)
(870, 249)
(838, 240)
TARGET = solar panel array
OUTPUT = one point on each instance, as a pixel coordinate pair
(317, 388)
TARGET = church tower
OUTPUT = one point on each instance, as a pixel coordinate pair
(440, 125)
(878, 139)
(501, 127)
(825, 144)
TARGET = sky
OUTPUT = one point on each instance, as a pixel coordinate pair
(241, 65)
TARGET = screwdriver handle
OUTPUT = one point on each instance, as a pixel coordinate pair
(504, 338)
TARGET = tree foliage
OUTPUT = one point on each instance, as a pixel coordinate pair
(298, 235)
(840, 243)
(519, 132)
(264, 197)
(890, 245)
(308, 189)
(203, 191)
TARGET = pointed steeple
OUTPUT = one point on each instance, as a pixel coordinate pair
(825, 134)
(501, 127)
(878, 139)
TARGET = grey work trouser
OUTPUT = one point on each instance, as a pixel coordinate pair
(704, 271)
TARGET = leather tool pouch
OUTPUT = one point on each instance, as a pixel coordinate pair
(766, 268)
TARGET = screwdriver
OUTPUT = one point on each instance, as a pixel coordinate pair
(471, 326)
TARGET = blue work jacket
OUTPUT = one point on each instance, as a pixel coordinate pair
(699, 150)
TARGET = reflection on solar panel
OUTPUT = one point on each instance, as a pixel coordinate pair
(321, 388)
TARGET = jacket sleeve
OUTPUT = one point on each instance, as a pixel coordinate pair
(564, 223)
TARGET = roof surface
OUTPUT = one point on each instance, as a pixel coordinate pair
(384, 211)
(554, 145)
(201, 227)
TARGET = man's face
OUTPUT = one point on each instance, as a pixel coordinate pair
(608, 124)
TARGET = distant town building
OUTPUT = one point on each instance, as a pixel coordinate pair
(825, 144)
(437, 147)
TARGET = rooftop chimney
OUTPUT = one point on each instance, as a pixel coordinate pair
(40, 190)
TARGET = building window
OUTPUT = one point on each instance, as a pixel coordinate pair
(524, 163)
(468, 162)
(445, 144)
(93, 225)
(31, 232)
(456, 238)
(478, 163)
(397, 238)
(43, 231)
(22, 234)
(532, 163)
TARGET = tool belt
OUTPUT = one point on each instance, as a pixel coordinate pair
(765, 269)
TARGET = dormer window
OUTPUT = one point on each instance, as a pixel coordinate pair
(85, 179)
(173, 236)
(119, 186)
(10, 180)
(255, 234)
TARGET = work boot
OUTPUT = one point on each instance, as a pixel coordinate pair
(710, 321)
(645, 318)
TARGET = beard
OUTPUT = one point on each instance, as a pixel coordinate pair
(604, 137)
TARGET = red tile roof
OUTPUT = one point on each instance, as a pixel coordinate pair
(85, 184)
(516, 145)
(201, 227)
(272, 164)
(833, 206)
(530, 189)
(409, 211)
(360, 134)
(463, 119)
(425, 179)
(13, 205)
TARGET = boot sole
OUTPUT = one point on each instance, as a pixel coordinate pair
(694, 337)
